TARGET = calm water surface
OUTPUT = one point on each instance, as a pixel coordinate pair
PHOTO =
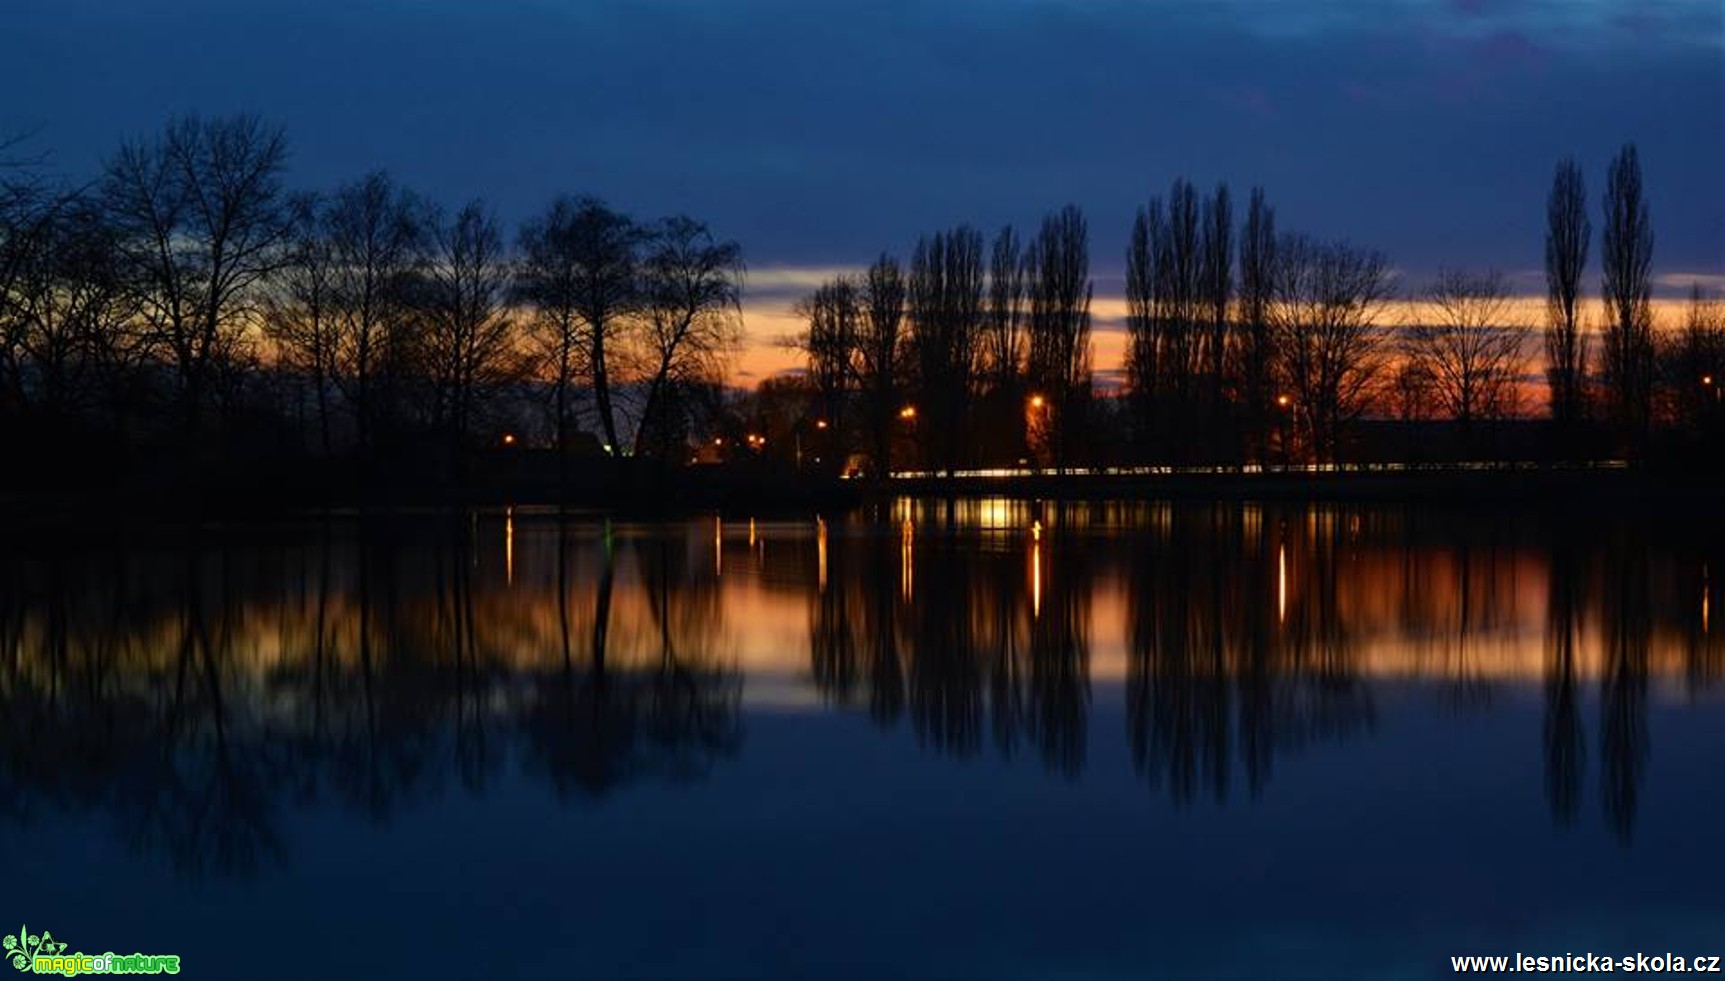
(989, 739)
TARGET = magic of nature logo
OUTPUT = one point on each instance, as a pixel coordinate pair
(42, 954)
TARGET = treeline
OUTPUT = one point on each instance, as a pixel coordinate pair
(187, 307)
(1244, 345)
(185, 314)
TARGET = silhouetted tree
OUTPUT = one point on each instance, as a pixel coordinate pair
(1058, 289)
(1568, 234)
(1166, 299)
(1003, 340)
(1216, 274)
(1627, 255)
(469, 338)
(999, 420)
(880, 357)
(199, 211)
(1412, 390)
(300, 310)
(1144, 326)
(1182, 279)
(835, 317)
(66, 316)
(1695, 369)
(581, 276)
(945, 293)
(1325, 302)
(26, 215)
(692, 303)
(547, 283)
(1257, 352)
(377, 233)
(1470, 345)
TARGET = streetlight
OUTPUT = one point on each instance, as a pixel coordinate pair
(508, 439)
(907, 413)
(1283, 402)
(820, 424)
(1036, 429)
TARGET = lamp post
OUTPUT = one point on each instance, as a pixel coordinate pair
(906, 415)
(1285, 405)
(1036, 412)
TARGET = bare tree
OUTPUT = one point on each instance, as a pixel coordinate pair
(1567, 236)
(1257, 352)
(200, 214)
(692, 321)
(377, 234)
(1003, 341)
(1695, 376)
(1627, 253)
(835, 316)
(1165, 304)
(68, 312)
(1470, 345)
(1411, 390)
(1059, 291)
(880, 356)
(1325, 303)
(1216, 274)
(1144, 341)
(27, 211)
(26, 221)
(300, 310)
(945, 294)
(548, 284)
(1181, 290)
(582, 274)
(467, 340)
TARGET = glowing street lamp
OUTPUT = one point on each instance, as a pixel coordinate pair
(1037, 401)
(1283, 402)
(508, 439)
(907, 413)
(820, 424)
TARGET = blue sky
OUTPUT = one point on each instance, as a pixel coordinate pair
(822, 131)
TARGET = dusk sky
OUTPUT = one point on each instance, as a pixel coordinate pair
(819, 133)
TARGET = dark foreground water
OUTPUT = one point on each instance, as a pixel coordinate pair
(991, 740)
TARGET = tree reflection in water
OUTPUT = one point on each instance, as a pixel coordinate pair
(198, 688)
(192, 690)
(1251, 631)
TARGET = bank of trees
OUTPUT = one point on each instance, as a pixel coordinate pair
(187, 300)
(186, 305)
(1245, 344)
(972, 351)
(1240, 345)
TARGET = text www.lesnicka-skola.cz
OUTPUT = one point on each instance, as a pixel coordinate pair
(1586, 964)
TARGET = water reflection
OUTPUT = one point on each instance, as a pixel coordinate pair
(196, 691)
(193, 691)
(1246, 632)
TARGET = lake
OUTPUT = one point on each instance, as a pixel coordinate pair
(980, 738)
